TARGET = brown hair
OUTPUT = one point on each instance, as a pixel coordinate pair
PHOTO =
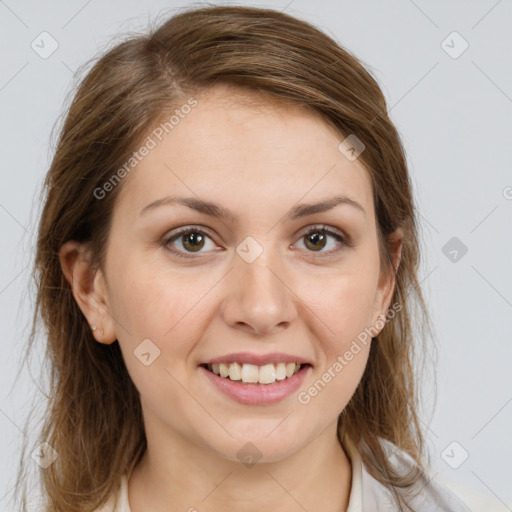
(93, 418)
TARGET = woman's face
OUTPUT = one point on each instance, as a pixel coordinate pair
(251, 286)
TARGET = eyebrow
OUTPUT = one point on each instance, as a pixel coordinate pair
(215, 210)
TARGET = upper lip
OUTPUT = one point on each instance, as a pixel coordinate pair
(257, 359)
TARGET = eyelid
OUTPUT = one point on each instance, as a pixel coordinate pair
(189, 228)
(328, 229)
(344, 239)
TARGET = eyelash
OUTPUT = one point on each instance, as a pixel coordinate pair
(344, 240)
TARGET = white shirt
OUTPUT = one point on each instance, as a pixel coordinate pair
(438, 494)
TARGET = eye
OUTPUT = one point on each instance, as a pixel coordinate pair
(192, 239)
(317, 237)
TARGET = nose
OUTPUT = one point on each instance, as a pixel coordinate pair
(259, 299)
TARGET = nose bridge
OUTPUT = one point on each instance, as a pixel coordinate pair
(259, 296)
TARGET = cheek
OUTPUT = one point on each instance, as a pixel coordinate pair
(169, 309)
(335, 383)
(345, 333)
(152, 301)
(342, 314)
(155, 314)
(343, 305)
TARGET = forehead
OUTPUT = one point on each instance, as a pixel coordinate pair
(238, 145)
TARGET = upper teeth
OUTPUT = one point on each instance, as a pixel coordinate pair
(266, 374)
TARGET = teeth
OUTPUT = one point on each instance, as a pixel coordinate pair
(251, 373)
(290, 369)
(281, 371)
(235, 371)
(223, 370)
(267, 374)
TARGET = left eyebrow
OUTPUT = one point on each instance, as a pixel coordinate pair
(215, 210)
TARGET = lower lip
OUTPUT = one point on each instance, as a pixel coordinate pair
(257, 394)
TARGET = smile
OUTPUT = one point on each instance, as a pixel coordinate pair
(251, 373)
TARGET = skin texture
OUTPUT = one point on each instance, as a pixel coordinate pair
(259, 161)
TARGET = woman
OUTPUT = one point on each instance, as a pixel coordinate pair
(227, 269)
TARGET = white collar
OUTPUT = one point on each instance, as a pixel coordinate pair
(355, 503)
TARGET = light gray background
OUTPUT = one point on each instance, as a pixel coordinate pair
(455, 117)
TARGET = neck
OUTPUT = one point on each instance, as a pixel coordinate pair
(187, 477)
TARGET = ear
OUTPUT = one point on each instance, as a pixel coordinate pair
(387, 280)
(89, 289)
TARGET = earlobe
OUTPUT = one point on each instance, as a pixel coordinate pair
(86, 284)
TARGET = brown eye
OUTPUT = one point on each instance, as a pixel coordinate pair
(316, 240)
(193, 241)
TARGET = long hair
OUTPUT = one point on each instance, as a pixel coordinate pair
(93, 417)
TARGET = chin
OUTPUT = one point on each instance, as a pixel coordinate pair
(258, 447)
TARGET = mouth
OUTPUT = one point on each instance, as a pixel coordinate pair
(253, 384)
(247, 373)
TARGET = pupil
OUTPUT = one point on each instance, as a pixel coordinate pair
(191, 239)
(315, 238)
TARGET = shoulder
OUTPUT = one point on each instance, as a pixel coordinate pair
(477, 501)
(433, 492)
